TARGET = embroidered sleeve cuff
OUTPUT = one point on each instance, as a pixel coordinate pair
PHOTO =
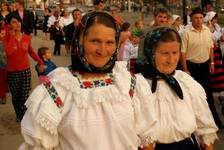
(146, 141)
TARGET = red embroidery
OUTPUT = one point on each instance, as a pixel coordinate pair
(58, 102)
(87, 84)
(47, 83)
(131, 93)
(109, 81)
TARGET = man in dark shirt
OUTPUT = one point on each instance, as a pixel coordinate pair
(25, 17)
(72, 29)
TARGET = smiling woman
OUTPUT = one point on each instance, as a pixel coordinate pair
(95, 104)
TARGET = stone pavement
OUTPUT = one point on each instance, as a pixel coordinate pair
(10, 137)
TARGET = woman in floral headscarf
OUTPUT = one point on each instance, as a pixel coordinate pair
(97, 104)
(180, 101)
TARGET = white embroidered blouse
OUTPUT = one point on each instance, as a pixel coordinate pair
(178, 119)
(98, 118)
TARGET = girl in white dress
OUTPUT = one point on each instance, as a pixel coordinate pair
(180, 103)
(96, 104)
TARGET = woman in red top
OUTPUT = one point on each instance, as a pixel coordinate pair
(18, 46)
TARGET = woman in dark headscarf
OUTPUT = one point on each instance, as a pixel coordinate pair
(180, 101)
(96, 104)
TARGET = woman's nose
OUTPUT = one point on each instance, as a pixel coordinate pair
(101, 49)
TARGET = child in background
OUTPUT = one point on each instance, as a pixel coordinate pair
(131, 49)
(58, 35)
(45, 54)
(3, 72)
(131, 46)
(139, 27)
(125, 34)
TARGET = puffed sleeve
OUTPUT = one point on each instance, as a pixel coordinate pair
(206, 127)
(145, 115)
(40, 122)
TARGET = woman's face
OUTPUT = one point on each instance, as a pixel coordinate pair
(167, 56)
(99, 44)
(15, 24)
(4, 7)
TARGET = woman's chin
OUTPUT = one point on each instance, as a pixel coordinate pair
(98, 65)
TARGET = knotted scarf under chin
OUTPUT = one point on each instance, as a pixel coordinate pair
(169, 79)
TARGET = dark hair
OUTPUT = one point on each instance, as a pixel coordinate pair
(13, 16)
(98, 18)
(62, 13)
(76, 9)
(97, 2)
(42, 51)
(125, 26)
(197, 10)
(20, 2)
(159, 10)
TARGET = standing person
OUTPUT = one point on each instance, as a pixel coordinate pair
(177, 23)
(217, 78)
(45, 54)
(125, 35)
(114, 13)
(12, 6)
(131, 46)
(72, 28)
(101, 106)
(51, 21)
(35, 19)
(4, 11)
(18, 46)
(181, 106)
(47, 14)
(3, 72)
(64, 21)
(58, 36)
(25, 17)
(197, 56)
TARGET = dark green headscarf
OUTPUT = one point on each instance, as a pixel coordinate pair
(146, 64)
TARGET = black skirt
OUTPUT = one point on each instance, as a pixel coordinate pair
(186, 144)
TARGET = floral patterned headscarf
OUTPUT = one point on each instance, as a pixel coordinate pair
(79, 63)
(146, 64)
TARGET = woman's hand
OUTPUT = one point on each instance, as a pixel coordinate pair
(41, 68)
(208, 147)
(212, 68)
(150, 147)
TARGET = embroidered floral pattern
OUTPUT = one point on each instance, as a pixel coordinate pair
(96, 83)
(93, 83)
(53, 93)
(132, 86)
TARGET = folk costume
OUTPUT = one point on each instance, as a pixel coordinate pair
(106, 113)
(181, 106)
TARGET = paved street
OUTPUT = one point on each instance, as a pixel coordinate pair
(10, 137)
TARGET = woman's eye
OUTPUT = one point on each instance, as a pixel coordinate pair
(110, 42)
(95, 41)
(165, 53)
